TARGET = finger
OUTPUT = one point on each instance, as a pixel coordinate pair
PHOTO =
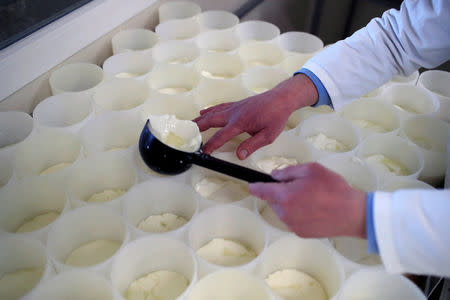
(220, 138)
(270, 192)
(214, 119)
(294, 172)
(218, 107)
(298, 171)
(250, 145)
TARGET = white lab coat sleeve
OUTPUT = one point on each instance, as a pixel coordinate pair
(412, 229)
(398, 43)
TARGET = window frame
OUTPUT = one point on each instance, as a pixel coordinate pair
(37, 53)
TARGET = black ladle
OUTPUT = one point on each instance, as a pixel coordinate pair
(166, 160)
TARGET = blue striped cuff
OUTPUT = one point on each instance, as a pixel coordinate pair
(324, 98)
(372, 245)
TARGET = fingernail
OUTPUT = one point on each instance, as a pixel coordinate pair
(243, 154)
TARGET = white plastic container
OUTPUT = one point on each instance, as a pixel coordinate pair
(394, 148)
(15, 128)
(180, 29)
(217, 20)
(275, 228)
(66, 111)
(259, 79)
(24, 200)
(6, 169)
(378, 284)
(257, 31)
(300, 42)
(404, 80)
(98, 173)
(311, 256)
(175, 52)
(218, 66)
(46, 149)
(84, 284)
(182, 106)
(235, 195)
(366, 113)
(18, 253)
(172, 81)
(83, 225)
(260, 54)
(437, 82)
(215, 92)
(218, 41)
(137, 39)
(76, 78)
(150, 254)
(228, 222)
(178, 10)
(286, 145)
(355, 171)
(156, 197)
(230, 285)
(333, 127)
(306, 112)
(120, 95)
(129, 65)
(411, 100)
(353, 254)
(399, 183)
(430, 135)
(294, 62)
(111, 131)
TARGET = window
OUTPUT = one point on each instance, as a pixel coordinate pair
(19, 18)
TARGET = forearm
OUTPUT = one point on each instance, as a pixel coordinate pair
(398, 43)
(411, 228)
(297, 91)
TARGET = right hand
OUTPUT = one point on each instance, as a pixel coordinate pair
(263, 116)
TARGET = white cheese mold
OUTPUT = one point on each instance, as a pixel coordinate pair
(178, 10)
(437, 82)
(157, 197)
(232, 223)
(83, 284)
(137, 39)
(378, 284)
(27, 265)
(30, 206)
(66, 111)
(150, 254)
(87, 238)
(76, 78)
(311, 256)
(134, 65)
(430, 136)
(101, 179)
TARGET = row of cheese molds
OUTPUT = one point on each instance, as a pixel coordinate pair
(78, 200)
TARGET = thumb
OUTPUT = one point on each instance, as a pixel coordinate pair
(270, 192)
(250, 145)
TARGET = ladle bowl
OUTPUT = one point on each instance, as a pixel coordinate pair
(164, 159)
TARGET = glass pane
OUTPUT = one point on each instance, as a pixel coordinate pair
(19, 18)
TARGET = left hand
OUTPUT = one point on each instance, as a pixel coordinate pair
(315, 202)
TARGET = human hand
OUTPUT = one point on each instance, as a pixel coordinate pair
(263, 116)
(315, 202)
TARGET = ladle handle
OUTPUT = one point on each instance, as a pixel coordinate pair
(230, 169)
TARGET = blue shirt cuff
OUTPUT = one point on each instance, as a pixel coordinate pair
(324, 98)
(372, 245)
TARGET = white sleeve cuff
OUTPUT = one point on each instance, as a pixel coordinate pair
(330, 86)
(384, 231)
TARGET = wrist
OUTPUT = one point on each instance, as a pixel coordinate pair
(358, 214)
(298, 91)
